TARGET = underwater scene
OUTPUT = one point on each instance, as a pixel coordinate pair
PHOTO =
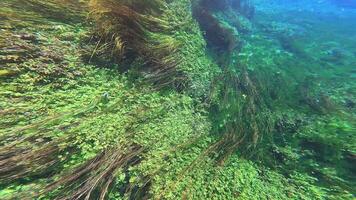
(178, 99)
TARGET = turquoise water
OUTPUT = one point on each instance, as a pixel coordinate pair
(320, 37)
(178, 99)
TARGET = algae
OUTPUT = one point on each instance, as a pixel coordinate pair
(89, 112)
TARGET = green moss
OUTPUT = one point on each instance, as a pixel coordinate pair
(50, 97)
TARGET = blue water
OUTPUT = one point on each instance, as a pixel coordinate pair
(249, 99)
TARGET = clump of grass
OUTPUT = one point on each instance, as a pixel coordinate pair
(94, 178)
(162, 34)
(137, 27)
(239, 114)
(25, 14)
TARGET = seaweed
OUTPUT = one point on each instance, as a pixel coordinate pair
(132, 28)
(168, 100)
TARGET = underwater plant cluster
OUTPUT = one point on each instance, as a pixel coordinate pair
(177, 99)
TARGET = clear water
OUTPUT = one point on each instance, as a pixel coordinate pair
(178, 99)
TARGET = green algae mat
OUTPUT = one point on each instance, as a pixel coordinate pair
(139, 99)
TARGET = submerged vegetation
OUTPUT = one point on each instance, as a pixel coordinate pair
(162, 38)
(158, 99)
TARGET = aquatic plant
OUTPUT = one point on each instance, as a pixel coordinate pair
(160, 33)
(239, 113)
(222, 23)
